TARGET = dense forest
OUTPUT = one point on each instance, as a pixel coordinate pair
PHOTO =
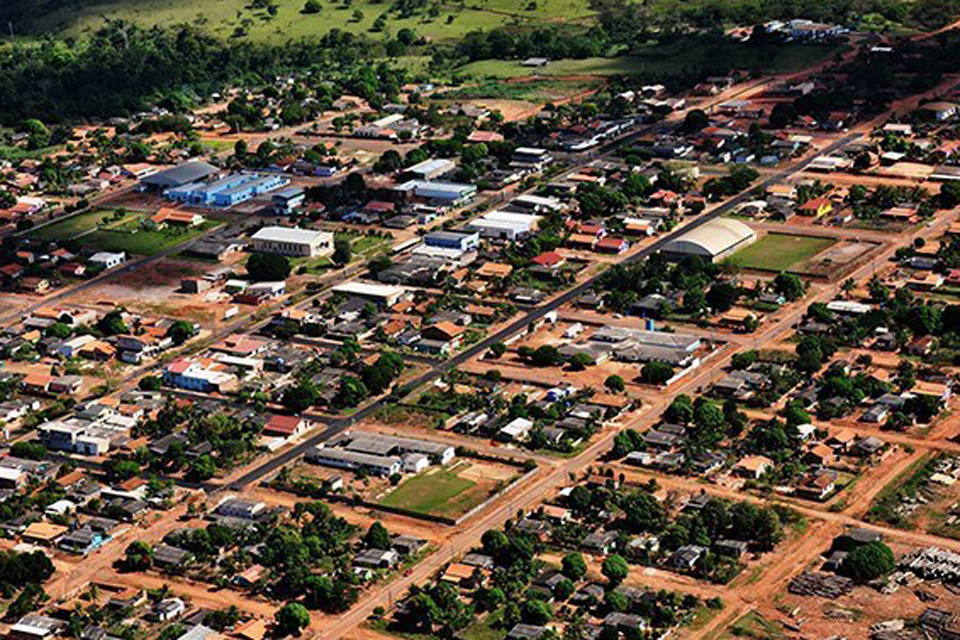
(124, 68)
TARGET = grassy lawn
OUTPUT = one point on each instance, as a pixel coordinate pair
(140, 241)
(223, 17)
(436, 491)
(780, 252)
(72, 226)
(539, 90)
(753, 625)
(662, 59)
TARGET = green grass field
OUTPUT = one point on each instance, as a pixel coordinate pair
(780, 252)
(224, 17)
(661, 59)
(436, 491)
(72, 226)
(140, 241)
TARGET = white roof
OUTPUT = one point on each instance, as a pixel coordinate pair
(369, 289)
(429, 166)
(517, 427)
(289, 234)
(531, 151)
(9, 473)
(106, 256)
(712, 238)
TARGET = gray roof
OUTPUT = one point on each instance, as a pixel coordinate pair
(181, 175)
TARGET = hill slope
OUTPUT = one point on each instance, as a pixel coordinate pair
(238, 18)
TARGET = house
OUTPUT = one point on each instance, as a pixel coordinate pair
(549, 260)
(522, 631)
(600, 542)
(376, 558)
(107, 260)
(176, 218)
(753, 466)
(35, 627)
(285, 426)
(686, 557)
(169, 609)
(818, 485)
(171, 559)
(458, 573)
(517, 430)
(731, 548)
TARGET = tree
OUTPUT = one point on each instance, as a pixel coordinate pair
(267, 267)
(536, 612)
(869, 562)
(615, 569)
(563, 590)
(656, 373)
(112, 323)
(311, 6)
(342, 251)
(150, 383)
(783, 115)
(573, 566)
(59, 330)
(643, 512)
(615, 383)
(300, 397)
(351, 392)
(580, 361)
(789, 285)
(722, 296)
(377, 536)
(180, 331)
(28, 450)
(680, 410)
(497, 349)
(291, 618)
(695, 120)
(138, 556)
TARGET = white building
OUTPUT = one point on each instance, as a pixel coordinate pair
(504, 225)
(293, 241)
(108, 260)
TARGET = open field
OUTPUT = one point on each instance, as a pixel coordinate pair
(140, 241)
(224, 17)
(780, 251)
(661, 59)
(73, 226)
(450, 491)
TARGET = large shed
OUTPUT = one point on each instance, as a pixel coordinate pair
(713, 240)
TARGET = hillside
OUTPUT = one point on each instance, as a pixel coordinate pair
(242, 18)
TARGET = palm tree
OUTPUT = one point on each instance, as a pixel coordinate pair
(847, 287)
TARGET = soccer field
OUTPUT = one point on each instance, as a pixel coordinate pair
(780, 251)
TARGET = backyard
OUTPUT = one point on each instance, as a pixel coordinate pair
(780, 252)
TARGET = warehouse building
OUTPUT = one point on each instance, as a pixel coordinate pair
(293, 241)
(227, 191)
(379, 294)
(431, 169)
(504, 225)
(450, 194)
(712, 241)
(178, 176)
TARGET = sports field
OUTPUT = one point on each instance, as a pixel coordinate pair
(780, 251)
(451, 491)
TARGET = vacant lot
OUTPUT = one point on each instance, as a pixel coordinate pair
(452, 491)
(780, 251)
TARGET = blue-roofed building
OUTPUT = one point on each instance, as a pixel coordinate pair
(228, 191)
(452, 240)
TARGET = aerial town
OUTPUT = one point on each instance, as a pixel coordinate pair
(559, 321)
